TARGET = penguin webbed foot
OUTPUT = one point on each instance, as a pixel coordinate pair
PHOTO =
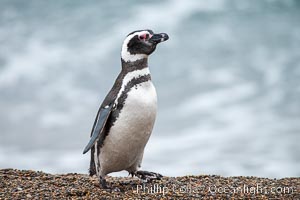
(148, 176)
(132, 174)
(103, 183)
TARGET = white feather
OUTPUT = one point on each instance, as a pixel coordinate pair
(129, 76)
(96, 158)
(124, 146)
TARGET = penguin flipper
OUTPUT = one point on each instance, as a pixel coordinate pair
(99, 124)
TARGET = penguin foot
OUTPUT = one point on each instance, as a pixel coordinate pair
(103, 183)
(145, 175)
(131, 173)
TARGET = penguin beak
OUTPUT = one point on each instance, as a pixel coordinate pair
(158, 38)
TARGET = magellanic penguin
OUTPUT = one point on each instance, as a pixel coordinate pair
(126, 117)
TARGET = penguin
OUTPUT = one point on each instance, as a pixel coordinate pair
(125, 119)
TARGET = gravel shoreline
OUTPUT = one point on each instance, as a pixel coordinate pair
(28, 184)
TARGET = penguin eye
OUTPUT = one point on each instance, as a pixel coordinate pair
(143, 37)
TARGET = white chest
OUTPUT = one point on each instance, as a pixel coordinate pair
(125, 143)
(137, 117)
(141, 104)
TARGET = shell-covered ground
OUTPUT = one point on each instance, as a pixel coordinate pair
(27, 184)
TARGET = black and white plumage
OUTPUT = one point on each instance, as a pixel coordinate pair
(126, 117)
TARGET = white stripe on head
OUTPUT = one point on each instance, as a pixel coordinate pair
(131, 75)
(125, 54)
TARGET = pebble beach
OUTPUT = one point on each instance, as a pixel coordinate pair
(28, 184)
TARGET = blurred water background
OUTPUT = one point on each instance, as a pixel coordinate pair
(228, 83)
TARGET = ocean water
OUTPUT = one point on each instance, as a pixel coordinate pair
(228, 83)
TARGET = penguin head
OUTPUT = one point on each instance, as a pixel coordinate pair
(140, 44)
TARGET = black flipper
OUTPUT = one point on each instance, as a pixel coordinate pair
(99, 124)
(109, 100)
